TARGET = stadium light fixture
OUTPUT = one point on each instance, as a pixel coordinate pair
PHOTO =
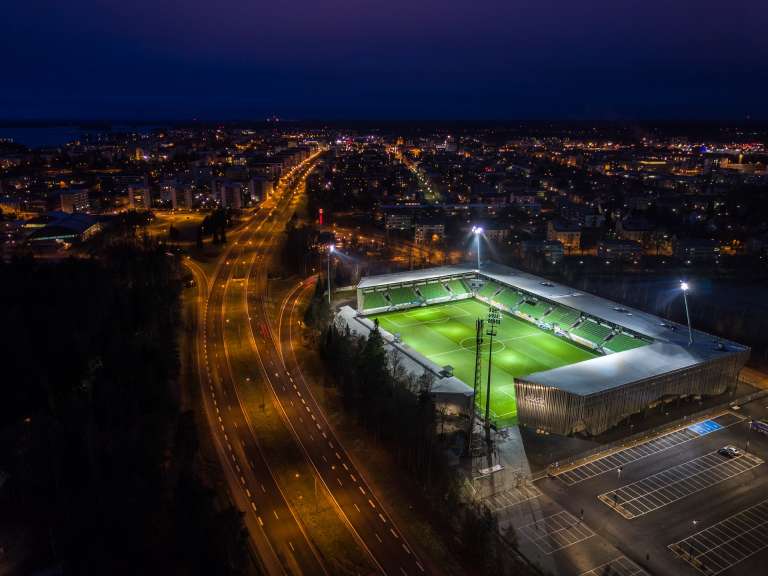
(684, 287)
(477, 231)
(331, 250)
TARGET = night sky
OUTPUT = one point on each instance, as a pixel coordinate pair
(394, 59)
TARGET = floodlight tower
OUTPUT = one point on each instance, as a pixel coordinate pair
(684, 287)
(494, 319)
(331, 250)
(478, 386)
(477, 231)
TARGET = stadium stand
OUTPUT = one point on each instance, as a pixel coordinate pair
(592, 331)
(621, 342)
(402, 295)
(457, 287)
(534, 310)
(508, 298)
(432, 291)
(373, 300)
(489, 289)
(562, 316)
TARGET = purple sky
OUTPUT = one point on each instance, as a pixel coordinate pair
(226, 59)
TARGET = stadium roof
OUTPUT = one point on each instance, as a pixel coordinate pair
(615, 370)
(411, 276)
(669, 351)
(632, 319)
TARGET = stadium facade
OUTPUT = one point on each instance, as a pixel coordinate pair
(643, 360)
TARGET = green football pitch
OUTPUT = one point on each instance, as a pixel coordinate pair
(445, 334)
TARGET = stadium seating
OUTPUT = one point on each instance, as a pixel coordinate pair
(592, 331)
(489, 289)
(402, 295)
(562, 316)
(457, 287)
(372, 300)
(509, 298)
(621, 342)
(535, 310)
(432, 291)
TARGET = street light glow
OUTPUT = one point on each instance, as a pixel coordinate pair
(477, 229)
(684, 286)
(331, 248)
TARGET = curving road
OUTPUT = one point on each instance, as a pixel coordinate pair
(241, 342)
(277, 534)
(355, 502)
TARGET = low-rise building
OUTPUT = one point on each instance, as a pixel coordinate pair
(567, 233)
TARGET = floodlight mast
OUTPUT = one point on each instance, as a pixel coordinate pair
(494, 319)
(477, 231)
(684, 287)
(331, 250)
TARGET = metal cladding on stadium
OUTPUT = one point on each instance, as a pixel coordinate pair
(637, 360)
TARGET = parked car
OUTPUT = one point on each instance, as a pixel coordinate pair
(729, 451)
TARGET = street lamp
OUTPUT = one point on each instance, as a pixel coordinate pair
(684, 287)
(331, 250)
(477, 231)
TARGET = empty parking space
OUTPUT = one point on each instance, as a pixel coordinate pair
(556, 532)
(512, 497)
(726, 543)
(668, 486)
(621, 566)
(623, 457)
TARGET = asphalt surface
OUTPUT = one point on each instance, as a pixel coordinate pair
(236, 313)
(277, 533)
(673, 505)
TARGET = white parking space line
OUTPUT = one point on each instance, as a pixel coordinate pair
(628, 455)
(621, 566)
(668, 486)
(727, 543)
(512, 497)
(556, 532)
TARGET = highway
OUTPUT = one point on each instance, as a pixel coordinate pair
(355, 502)
(277, 534)
(237, 317)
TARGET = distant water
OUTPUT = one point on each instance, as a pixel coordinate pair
(47, 136)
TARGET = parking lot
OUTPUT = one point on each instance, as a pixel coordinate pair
(556, 532)
(725, 544)
(621, 566)
(620, 458)
(668, 486)
(672, 505)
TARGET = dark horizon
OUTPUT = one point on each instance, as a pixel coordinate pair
(341, 60)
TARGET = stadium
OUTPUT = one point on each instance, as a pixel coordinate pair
(563, 361)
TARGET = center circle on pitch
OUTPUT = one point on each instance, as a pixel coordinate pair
(469, 344)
